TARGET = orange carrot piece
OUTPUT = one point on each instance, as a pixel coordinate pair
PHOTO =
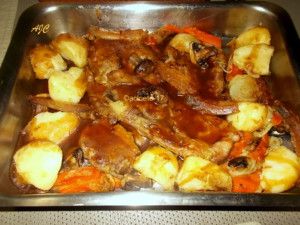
(204, 36)
(260, 151)
(276, 119)
(246, 183)
(233, 72)
(240, 145)
(199, 34)
(83, 179)
(172, 28)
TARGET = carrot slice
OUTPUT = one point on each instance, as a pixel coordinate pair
(83, 179)
(246, 183)
(172, 28)
(199, 34)
(233, 72)
(238, 147)
(260, 151)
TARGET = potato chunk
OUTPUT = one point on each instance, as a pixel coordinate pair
(38, 163)
(280, 170)
(243, 88)
(158, 164)
(255, 35)
(251, 116)
(54, 127)
(182, 42)
(198, 174)
(68, 86)
(254, 59)
(44, 60)
(72, 48)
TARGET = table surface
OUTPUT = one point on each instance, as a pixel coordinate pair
(9, 11)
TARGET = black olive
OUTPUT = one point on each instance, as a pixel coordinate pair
(146, 66)
(239, 162)
(279, 132)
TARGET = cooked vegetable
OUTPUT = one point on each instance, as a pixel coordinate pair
(197, 174)
(158, 164)
(243, 88)
(85, 179)
(260, 151)
(239, 146)
(68, 86)
(252, 36)
(72, 48)
(246, 183)
(198, 34)
(280, 171)
(233, 71)
(38, 163)
(251, 116)
(44, 60)
(54, 127)
(254, 59)
(182, 42)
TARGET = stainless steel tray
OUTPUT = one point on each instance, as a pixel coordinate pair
(225, 19)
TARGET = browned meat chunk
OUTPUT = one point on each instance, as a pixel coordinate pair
(110, 148)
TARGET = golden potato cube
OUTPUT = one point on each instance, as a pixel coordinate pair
(44, 60)
(243, 88)
(68, 86)
(251, 116)
(197, 174)
(280, 170)
(254, 59)
(158, 164)
(182, 42)
(38, 163)
(54, 127)
(72, 48)
(256, 35)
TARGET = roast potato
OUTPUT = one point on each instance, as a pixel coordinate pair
(72, 48)
(44, 60)
(68, 86)
(255, 35)
(38, 163)
(251, 116)
(54, 127)
(243, 88)
(197, 174)
(280, 170)
(254, 59)
(158, 164)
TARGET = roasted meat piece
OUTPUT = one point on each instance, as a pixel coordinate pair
(109, 148)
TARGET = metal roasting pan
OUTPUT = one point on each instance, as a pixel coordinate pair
(226, 19)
